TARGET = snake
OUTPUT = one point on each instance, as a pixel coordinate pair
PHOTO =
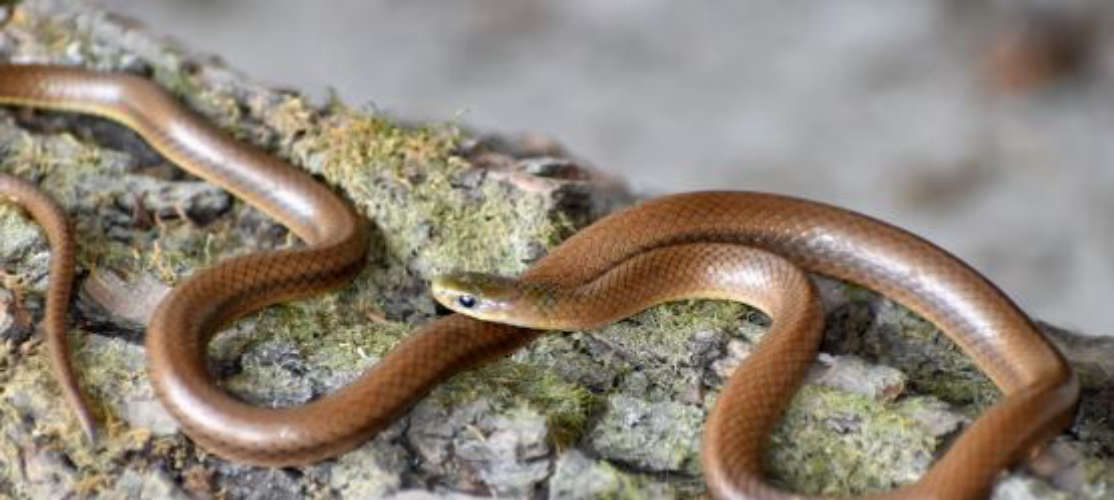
(747, 246)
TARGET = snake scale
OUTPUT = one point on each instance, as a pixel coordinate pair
(743, 246)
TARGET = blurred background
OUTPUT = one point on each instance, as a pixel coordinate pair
(984, 126)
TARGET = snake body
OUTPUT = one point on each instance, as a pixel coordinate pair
(52, 218)
(1039, 388)
(705, 241)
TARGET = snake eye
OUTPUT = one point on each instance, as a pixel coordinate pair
(466, 301)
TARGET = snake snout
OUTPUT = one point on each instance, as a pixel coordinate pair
(482, 296)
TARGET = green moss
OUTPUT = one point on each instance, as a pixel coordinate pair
(622, 487)
(668, 330)
(20, 235)
(602, 480)
(853, 292)
(1099, 477)
(405, 180)
(658, 344)
(32, 395)
(890, 334)
(328, 331)
(54, 34)
(176, 82)
(508, 384)
(837, 443)
(659, 436)
(936, 365)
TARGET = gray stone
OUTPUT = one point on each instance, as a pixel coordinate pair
(150, 485)
(578, 476)
(655, 437)
(852, 374)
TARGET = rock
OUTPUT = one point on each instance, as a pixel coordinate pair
(372, 471)
(579, 476)
(505, 453)
(614, 412)
(151, 485)
(23, 253)
(263, 483)
(654, 437)
(116, 369)
(14, 324)
(852, 374)
(199, 202)
(45, 473)
(508, 452)
(426, 495)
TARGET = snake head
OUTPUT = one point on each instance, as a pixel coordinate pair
(482, 296)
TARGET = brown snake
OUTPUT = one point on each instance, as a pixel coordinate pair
(720, 244)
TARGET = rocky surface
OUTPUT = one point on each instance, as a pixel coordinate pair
(614, 412)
